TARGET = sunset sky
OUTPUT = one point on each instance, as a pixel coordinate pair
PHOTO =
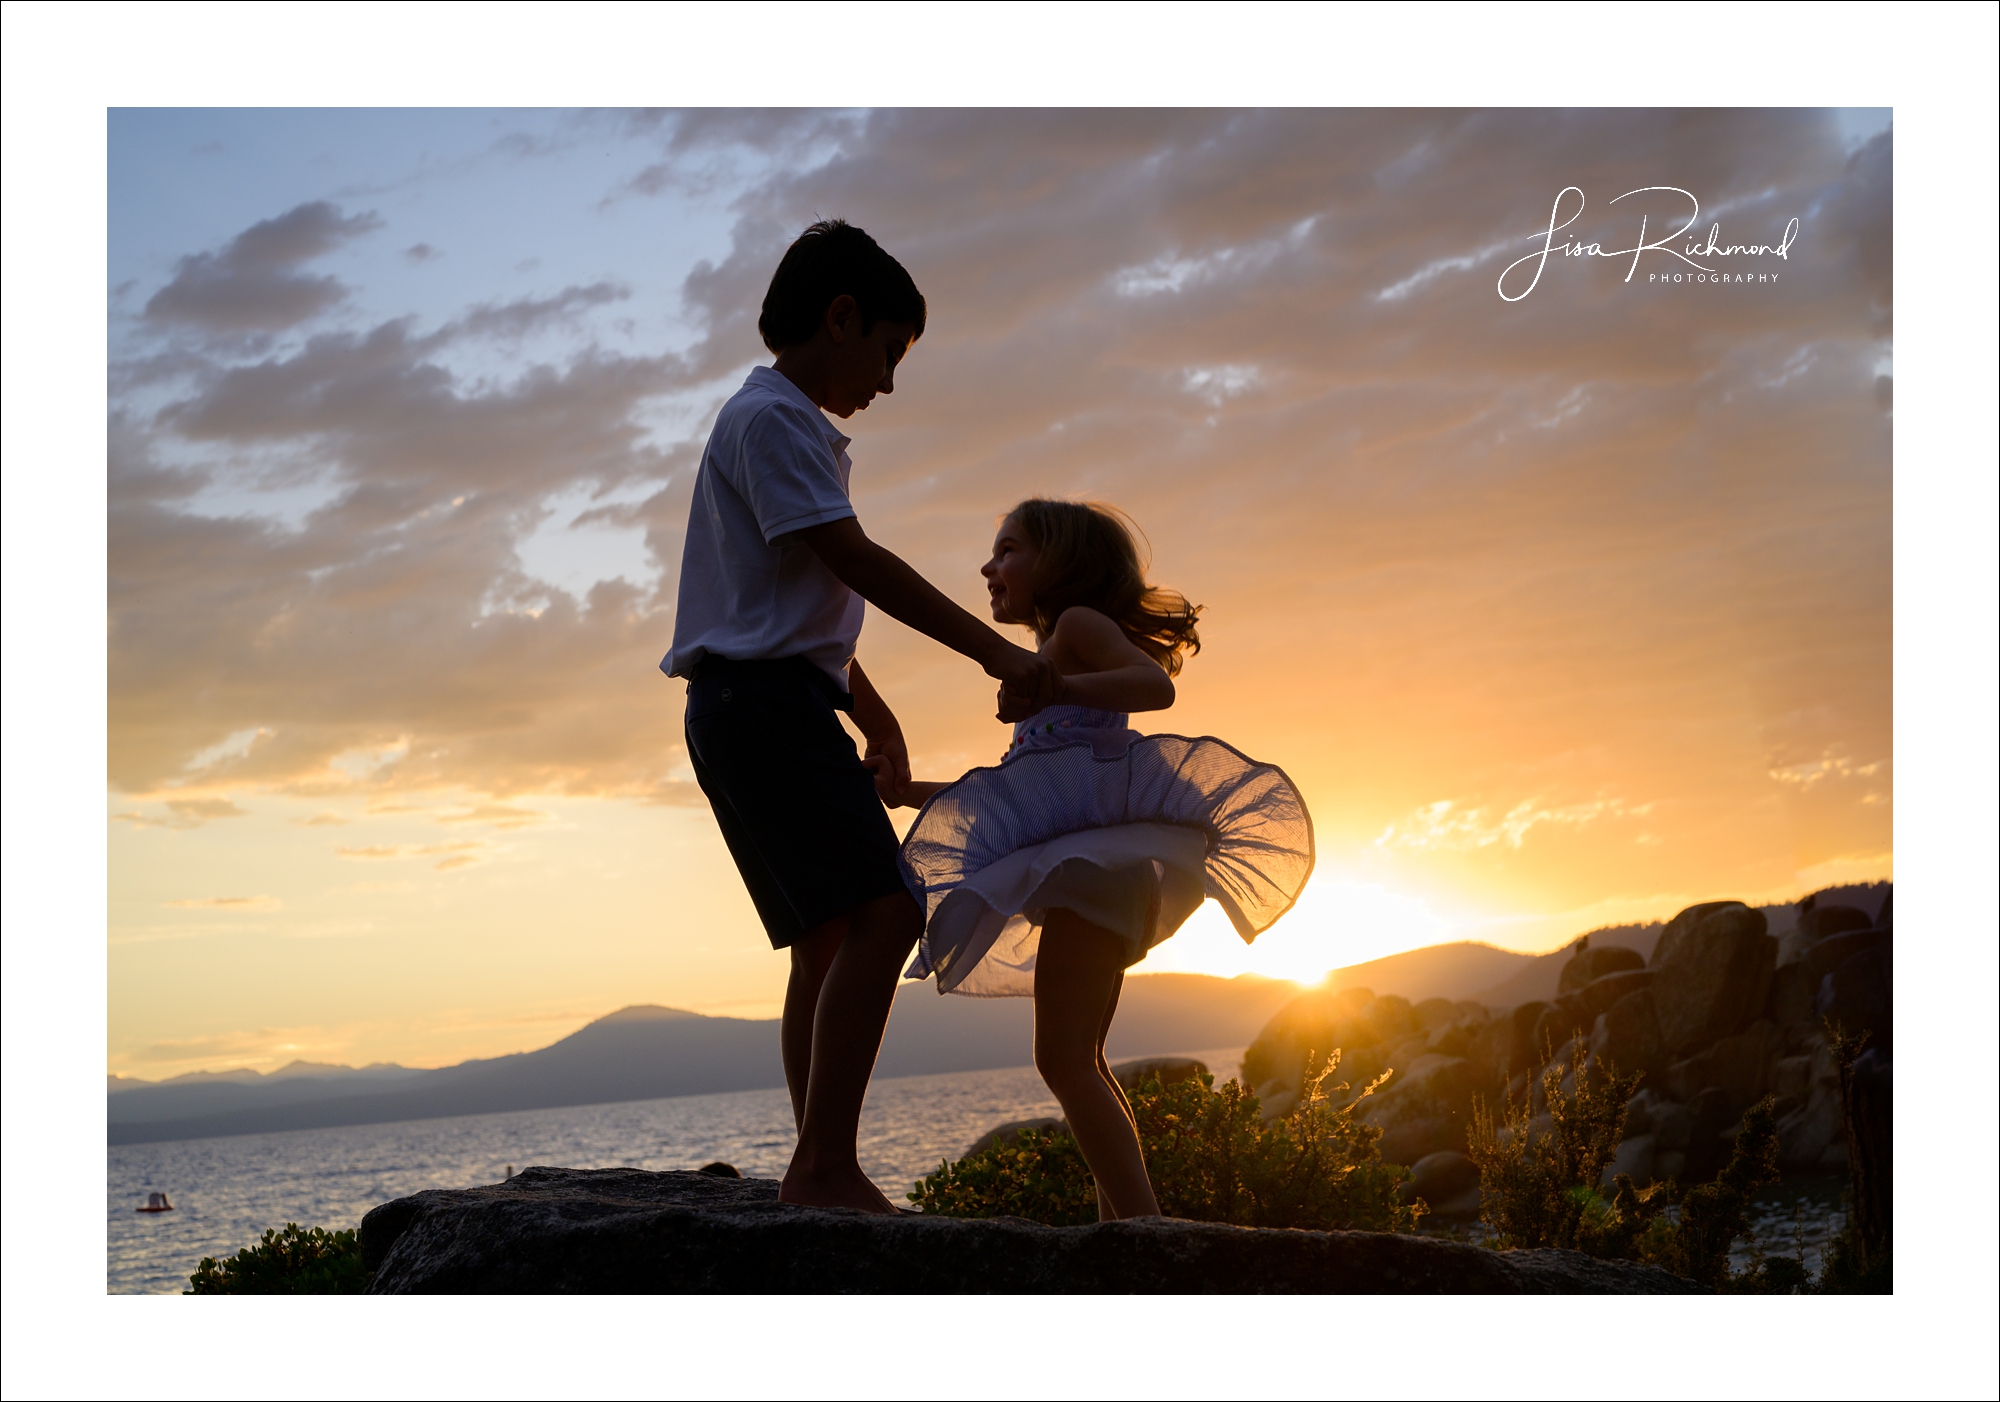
(1562, 609)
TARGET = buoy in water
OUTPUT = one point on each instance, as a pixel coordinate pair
(156, 1202)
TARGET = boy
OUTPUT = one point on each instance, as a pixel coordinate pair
(773, 579)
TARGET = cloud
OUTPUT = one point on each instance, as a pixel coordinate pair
(239, 903)
(513, 320)
(398, 851)
(1448, 823)
(1831, 766)
(1612, 538)
(254, 283)
(421, 253)
(322, 820)
(184, 813)
(499, 815)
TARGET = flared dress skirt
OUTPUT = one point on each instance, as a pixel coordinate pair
(1130, 831)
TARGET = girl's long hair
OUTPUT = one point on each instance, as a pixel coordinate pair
(1087, 556)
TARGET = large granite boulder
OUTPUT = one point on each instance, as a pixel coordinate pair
(1433, 1015)
(1682, 925)
(1425, 1108)
(1741, 1065)
(1525, 1053)
(1575, 1013)
(1715, 977)
(1559, 1022)
(1447, 1183)
(1309, 1027)
(1372, 1035)
(625, 1231)
(1390, 1018)
(1835, 950)
(1857, 995)
(1490, 1048)
(1634, 1159)
(1588, 965)
(1816, 924)
(1627, 1034)
(1793, 987)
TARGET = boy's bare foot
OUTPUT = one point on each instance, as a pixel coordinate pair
(849, 1189)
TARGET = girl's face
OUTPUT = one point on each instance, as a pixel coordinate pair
(1008, 574)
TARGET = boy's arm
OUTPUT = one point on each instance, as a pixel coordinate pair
(881, 577)
(878, 723)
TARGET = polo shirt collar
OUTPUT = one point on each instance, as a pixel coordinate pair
(769, 377)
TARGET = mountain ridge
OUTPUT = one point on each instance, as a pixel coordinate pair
(646, 1052)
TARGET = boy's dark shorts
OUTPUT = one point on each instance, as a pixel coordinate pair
(796, 805)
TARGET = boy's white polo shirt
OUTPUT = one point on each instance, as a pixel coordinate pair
(773, 465)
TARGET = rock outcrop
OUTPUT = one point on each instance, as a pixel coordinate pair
(1720, 1016)
(624, 1231)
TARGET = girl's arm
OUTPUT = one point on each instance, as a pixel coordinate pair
(915, 794)
(1102, 669)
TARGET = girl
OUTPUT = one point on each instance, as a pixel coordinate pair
(1089, 843)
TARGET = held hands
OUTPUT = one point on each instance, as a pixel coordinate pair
(887, 789)
(1028, 682)
(888, 759)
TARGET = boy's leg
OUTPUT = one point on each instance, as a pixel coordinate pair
(853, 1009)
(812, 956)
(818, 856)
(1078, 970)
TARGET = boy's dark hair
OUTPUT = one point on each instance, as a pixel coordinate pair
(830, 258)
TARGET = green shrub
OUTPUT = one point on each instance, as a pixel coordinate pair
(1040, 1176)
(1542, 1189)
(1712, 1214)
(1843, 1273)
(291, 1262)
(1211, 1157)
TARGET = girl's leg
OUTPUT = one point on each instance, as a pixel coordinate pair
(1104, 1212)
(1078, 970)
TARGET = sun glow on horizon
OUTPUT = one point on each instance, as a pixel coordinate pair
(1337, 922)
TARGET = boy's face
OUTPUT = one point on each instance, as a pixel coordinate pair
(861, 366)
(1009, 574)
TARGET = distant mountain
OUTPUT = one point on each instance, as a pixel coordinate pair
(647, 1053)
(1461, 970)
(200, 1092)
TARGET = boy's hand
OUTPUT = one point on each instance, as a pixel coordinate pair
(886, 787)
(889, 760)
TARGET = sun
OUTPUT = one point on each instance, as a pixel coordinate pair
(1337, 922)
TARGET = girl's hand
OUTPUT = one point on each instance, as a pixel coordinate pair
(911, 793)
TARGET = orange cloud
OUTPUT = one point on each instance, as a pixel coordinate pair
(1613, 538)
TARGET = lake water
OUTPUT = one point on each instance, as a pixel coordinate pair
(226, 1192)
